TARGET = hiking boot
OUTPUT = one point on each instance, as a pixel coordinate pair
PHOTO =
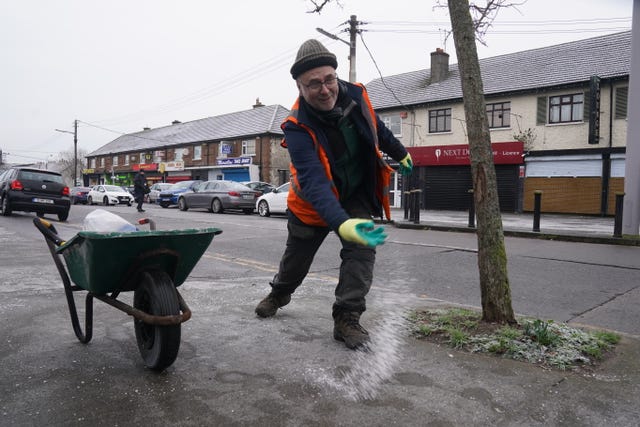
(347, 328)
(268, 306)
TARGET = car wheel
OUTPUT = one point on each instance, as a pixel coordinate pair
(105, 201)
(90, 200)
(263, 208)
(216, 206)
(182, 204)
(63, 216)
(6, 206)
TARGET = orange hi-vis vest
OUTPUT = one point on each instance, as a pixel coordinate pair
(296, 200)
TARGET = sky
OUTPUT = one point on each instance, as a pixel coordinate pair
(118, 66)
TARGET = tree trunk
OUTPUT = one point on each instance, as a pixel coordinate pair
(492, 256)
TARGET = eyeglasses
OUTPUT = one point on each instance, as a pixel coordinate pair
(316, 85)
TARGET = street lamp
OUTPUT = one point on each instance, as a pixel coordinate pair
(75, 150)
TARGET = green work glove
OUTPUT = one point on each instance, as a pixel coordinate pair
(362, 231)
(406, 165)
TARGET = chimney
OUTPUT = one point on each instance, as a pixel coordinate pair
(177, 122)
(439, 65)
(258, 103)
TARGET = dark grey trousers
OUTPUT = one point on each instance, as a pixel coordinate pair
(356, 269)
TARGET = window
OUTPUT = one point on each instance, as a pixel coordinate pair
(394, 123)
(114, 161)
(622, 94)
(225, 149)
(178, 153)
(249, 147)
(499, 115)
(197, 152)
(566, 108)
(101, 162)
(92, 163)
(126, 159)
(440, 120)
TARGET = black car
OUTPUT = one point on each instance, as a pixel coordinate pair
(34, 190)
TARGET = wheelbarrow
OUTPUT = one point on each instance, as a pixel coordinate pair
(151, 263)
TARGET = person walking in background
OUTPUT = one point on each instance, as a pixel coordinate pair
(339, 180)
(139, 189)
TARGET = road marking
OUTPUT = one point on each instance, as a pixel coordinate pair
(261, 265)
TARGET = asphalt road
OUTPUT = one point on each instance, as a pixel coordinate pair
(235, 369)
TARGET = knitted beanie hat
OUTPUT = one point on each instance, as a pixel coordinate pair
(312, 54)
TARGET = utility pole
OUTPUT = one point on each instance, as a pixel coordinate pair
(353, 30)
(75, 150)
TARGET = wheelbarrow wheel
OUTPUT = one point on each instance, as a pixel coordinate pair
(157, 296)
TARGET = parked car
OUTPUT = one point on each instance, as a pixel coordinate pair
(216, 196)
(262, 187)
(34, 190)
(155, 190)
(79, 195)
(273, 202)
(109, 195)
(170, 196)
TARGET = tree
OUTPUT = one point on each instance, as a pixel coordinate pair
(66, 159)
(492, 255)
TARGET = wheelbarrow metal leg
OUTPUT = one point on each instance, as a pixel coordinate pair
(68, 290)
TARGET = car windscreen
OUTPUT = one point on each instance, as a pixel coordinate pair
(114, 188)
(39, 176)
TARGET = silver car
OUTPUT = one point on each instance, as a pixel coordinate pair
(156, 189)
(217, 196)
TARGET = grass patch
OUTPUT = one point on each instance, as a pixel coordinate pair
(542, 342)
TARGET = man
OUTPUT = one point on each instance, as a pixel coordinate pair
(338, 182)
(139, 189)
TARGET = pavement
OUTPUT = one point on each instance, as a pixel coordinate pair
(235, 369)
(577, 228)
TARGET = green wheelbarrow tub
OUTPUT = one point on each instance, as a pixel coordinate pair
(107, 262)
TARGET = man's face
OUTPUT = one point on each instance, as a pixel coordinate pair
(319, 87)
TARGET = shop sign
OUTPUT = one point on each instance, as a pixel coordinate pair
(145, 167)
(234, 161)
(88, 171)
(171, 166)
(444, 155)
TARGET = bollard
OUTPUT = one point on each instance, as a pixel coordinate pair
(472, 210)
(416, 206)
(406, 196)
(537, 197)
(617, 223)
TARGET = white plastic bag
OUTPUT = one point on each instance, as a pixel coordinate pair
(104, 221)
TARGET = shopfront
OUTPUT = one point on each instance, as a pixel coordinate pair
(443, 174)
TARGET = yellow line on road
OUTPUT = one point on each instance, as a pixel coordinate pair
(260, 265)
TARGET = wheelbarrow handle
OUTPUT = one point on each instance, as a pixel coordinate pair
(48, 230)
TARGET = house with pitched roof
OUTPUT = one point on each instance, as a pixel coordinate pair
(557, 117)
(239, 146)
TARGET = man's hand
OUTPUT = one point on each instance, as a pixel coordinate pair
(362, 231)
(406, 165)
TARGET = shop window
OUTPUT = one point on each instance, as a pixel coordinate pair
(197, 152)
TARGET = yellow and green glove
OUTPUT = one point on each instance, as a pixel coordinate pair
(362, 231)
(406, 165)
